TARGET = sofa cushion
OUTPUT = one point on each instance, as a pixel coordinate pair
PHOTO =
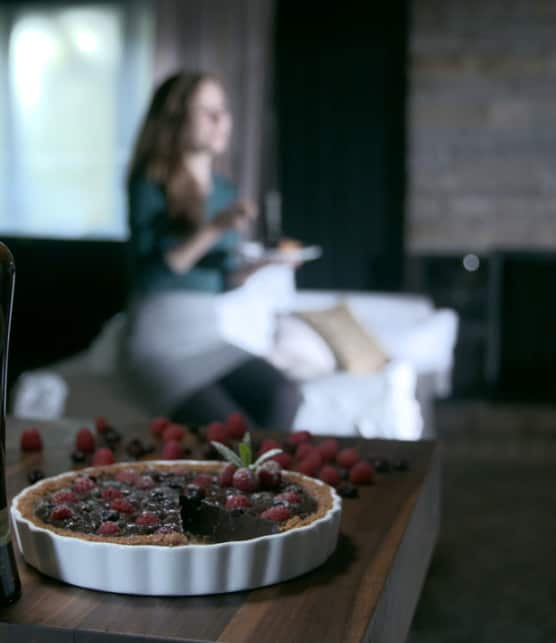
(355, 349)
(299, 350)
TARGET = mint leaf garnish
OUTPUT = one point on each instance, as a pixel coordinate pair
(266, 456)
(228, 454)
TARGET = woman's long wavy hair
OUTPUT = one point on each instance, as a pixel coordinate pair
(159, 147)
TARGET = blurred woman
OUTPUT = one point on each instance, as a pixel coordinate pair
(186, 223)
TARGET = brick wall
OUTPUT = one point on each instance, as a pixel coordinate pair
(482, 125)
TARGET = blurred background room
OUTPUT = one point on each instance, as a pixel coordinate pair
(414, 144)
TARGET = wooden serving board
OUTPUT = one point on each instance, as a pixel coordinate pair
(366, 591)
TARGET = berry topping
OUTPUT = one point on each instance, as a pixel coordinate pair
(83, 484)
(101, 424)
(227, 475)
(63, 496)
(85, 440)
(203, 480)
(158, 425)
(328, 449)
(245, 480)
(144, 482)
(267, 444)
(330, 475)
(216, 432)
(348, 457)
(31, 440)
(278, 513)
(122, 505)
(270, 474)
(35, 475)
(173, 432)
(147, 518)
(172, 450)
(111, 493)
(61, 512)
(283, 459)
(291, 497)
(126, 475)
(103, 456)
(108, 529)
(236, 426)
(237, 502)
(362, 473)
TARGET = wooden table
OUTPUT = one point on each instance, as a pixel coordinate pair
(367, 590)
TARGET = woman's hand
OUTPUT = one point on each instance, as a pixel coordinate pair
(236, 217)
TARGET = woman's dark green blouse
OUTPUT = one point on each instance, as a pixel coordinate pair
(152, 236)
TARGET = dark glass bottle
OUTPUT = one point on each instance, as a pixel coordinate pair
(10, 587)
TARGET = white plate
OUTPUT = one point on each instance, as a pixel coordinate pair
(254, 251)
(177, 571)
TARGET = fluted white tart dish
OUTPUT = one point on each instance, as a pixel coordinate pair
(178, 570)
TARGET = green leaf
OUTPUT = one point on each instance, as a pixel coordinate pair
(245, 453)
(266, 456)
(228, 454)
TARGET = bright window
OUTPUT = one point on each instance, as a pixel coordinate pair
(76, 80)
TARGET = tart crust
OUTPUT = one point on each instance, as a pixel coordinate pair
(27, 503)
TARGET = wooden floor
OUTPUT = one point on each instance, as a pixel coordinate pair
(493, 573)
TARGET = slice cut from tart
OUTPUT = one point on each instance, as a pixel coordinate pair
(172, 504)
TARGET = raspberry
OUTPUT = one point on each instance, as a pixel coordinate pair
(267, 444)
(111, 493)
(299, 436)
(126, 475)
(216, 432)
(310, 464)
(303, 450)
(270, 474)
(279, 513)
(227, 475)
(108, 529)
(347, 490)
(236, 425)
(147, 518)
(85, 440)
(245, 480)
(144, 482)
(83, 484)
(362, 473)
(330, 475)
(101, 424)
(328, 449)
(283, 459)
(103, 456)
(348, 457)
(203, 480)
(291, 497)
(61, 512)
(158, 425)
(172, 450)
(122, 505)
(31, 440)
(64, 495)
(173, 432)
(237, 502)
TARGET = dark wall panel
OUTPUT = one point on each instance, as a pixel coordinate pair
(340, 99)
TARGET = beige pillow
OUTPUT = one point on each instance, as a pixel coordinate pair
(355, 349)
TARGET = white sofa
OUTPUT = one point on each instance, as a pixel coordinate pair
(419, 340)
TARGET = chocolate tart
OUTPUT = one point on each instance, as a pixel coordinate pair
(168, 528)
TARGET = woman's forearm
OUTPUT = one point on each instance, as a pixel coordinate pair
(186, 254)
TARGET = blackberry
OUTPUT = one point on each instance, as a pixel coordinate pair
(35, 475)
(78, 456)
(347, 490)
(110, 515)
